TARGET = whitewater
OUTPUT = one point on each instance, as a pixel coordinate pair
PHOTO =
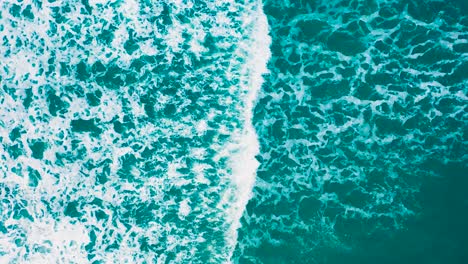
(126, 129)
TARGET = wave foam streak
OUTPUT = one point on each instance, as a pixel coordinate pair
(243, 152)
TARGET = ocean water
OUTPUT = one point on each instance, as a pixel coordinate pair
(362, 123)
(237, 131)
(126, 133)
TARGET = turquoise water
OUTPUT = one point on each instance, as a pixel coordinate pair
(362, 124)
(123, 125)
(140, 131)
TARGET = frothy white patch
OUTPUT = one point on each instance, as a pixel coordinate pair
(246, 146)
(184, 208)
(116, 184)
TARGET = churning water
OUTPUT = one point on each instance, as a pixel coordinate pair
(236, 131)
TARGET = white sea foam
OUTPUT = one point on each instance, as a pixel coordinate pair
(73, 161)
(246, 146)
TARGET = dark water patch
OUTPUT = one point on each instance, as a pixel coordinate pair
(56, 104)
(345, 43)
(38, 148)
(85, 125)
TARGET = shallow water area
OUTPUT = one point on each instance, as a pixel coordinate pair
(121, 126)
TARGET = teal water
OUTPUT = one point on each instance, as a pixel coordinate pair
(239, 131)
(362, 124)
(122, 127)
